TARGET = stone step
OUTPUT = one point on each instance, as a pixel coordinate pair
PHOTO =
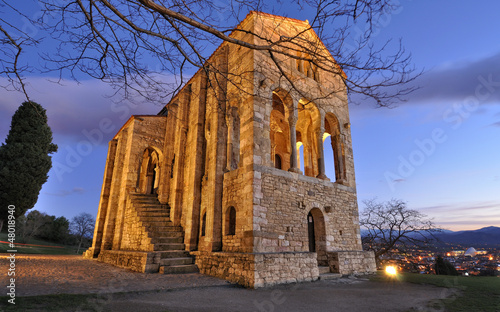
(142, 202)
(165, 235)
(323, 269)
(169, 246)
(149, 204)
(176, 261)
(154, 224)
(179, 269)
(154, 219)
(330, 276)
(157, 211)
(173, 254)
(166, 228)
(168, 240)
(153, 214)
(152, 209)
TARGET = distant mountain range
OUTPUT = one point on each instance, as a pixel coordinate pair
(486, 237)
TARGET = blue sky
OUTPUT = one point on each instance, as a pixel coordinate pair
(439, 151)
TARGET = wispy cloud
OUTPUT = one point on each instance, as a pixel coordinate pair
(74, 108)
(462, 216)
(457, 81)
(63, 193)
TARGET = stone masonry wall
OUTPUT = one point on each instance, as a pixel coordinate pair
(352, 262)
(281, 214)
(238, 194)
(284, 268)
(135, 236)
(143, 262)
(257, 270)
(235, 267)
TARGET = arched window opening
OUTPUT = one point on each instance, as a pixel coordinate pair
(336, 161)
(231, 221)
(277, 161)
(203, 223)
(308, 124)
(329, 157)
(300, 156)
(280, 130)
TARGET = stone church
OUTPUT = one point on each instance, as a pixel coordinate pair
(228, 179)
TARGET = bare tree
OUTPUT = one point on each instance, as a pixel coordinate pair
(13, 41)
(29, 225)
(153, 47)
(392, 224)
(82, 226)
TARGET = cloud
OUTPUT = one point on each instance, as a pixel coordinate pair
(496, 124)
(457, 81)
(63, 193)
(472, 206)
(74, 109)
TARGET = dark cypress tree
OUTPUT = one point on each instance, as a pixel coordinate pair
(25, 159)
(444, 267)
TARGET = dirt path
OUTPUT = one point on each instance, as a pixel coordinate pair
(41, 275)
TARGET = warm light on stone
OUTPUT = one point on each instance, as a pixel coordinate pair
(213, 182)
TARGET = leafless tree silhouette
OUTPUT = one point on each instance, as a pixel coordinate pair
(153, 47)
(392, 223)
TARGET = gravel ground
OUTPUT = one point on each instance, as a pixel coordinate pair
(61, 274)
(44, 274)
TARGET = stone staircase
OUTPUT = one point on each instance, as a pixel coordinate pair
(324, 273)
(167, 238)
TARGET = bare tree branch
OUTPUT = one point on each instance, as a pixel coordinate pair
(392, 224)
(153, 47)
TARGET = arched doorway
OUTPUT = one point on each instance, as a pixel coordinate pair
(317, 235)
(148, 181)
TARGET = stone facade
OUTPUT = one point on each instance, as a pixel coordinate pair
(233, 174)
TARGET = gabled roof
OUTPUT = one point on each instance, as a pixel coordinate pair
(250, 15)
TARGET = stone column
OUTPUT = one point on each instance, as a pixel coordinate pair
(321, 155)
(273, 152)
(293, 142)
(339, 158)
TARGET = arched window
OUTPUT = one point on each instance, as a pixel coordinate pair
(332, 128)
(277, 161)
(300, 156)
(279, 130)
(203, 224)
(307, 124)
(231, 221)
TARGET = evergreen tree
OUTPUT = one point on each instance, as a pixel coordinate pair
(25, 159)
(444, 267)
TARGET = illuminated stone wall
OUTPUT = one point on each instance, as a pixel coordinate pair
(221, 168)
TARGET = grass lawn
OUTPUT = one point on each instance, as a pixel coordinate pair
(51, 249)
(64, 303)
(476, 294)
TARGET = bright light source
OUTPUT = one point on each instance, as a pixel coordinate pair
(391, 270)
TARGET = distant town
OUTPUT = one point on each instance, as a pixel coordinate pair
(468, 261)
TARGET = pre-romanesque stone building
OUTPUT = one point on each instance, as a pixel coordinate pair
(214, 181)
